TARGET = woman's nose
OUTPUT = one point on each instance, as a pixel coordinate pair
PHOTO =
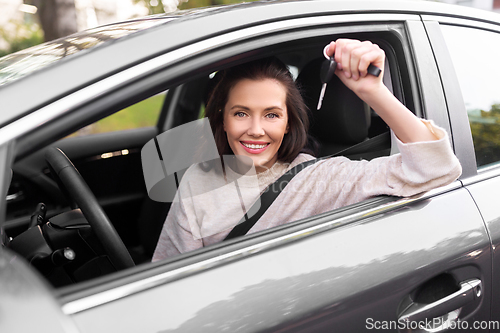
(255, 128)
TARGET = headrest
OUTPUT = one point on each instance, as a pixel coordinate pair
(344, 118)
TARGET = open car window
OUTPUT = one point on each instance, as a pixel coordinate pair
(110, 162)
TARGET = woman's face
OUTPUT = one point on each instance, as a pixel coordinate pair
(256, 120)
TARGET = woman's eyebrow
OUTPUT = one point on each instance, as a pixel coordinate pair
(240, 107)
(237, 106)
(273, 108)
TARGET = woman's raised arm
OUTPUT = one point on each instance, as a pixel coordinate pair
(353, 58)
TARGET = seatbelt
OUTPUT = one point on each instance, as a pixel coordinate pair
(266, 199)
(372, 144)
(273, 190)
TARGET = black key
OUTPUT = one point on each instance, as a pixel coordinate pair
(328, 69)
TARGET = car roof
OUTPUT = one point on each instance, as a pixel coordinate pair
(22, 63)
(161, 34)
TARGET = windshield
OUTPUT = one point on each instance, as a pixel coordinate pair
(24, 62)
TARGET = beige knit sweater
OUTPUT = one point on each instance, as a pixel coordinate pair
(203, 214)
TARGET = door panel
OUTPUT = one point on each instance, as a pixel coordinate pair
(486, 194)
(335, 280)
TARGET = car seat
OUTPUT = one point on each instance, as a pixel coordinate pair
(344, 119)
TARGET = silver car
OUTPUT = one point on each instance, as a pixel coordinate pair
(80, 262)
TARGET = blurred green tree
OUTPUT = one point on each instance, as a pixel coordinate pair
(154, 6)
(23, 36)
(204, 3)
(486, 136)
(159, 6)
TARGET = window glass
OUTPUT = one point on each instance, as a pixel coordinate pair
(142, 114)
(474, 54)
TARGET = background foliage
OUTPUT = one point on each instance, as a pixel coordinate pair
(158, 6)
(23, 36)
(486, 136)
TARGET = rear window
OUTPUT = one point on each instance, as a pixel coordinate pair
(478, 73)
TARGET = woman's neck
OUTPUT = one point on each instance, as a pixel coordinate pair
(269, 175)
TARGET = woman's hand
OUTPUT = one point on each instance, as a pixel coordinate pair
(353, 58)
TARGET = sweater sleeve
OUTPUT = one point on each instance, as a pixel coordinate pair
(422, 166)
(419, 167)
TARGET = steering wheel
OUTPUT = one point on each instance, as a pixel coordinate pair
(72, 183)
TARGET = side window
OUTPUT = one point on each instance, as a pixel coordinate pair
(142, 114)
(475, 56)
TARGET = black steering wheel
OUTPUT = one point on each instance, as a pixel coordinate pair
(72, 184)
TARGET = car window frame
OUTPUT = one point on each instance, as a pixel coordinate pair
(182, 265)
(81, 296)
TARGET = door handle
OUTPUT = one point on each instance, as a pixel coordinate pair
(470, 290)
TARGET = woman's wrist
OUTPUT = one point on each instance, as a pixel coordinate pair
(406, 126)
(375, 95)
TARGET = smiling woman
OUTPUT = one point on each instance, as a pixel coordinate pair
(279, 113)
(256, 127)
(257, 114)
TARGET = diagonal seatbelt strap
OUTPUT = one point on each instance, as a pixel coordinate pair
(266, 200)
(273, 190)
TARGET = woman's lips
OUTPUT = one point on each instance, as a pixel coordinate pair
(254, 147)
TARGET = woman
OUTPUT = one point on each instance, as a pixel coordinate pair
(256, 112)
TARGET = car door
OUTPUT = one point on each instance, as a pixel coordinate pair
(371, 265)
(477, 112)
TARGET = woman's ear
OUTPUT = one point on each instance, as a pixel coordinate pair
(287, 128)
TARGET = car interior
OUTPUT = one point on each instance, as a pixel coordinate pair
(110, 163)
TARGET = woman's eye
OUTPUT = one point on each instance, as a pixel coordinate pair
(239, 114)
(272, 115)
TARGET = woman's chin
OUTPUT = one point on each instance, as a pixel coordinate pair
(241, 163)
(261, 163)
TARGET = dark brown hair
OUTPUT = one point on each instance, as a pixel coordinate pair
(295, 141)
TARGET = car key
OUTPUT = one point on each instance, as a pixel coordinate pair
(328, 69)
